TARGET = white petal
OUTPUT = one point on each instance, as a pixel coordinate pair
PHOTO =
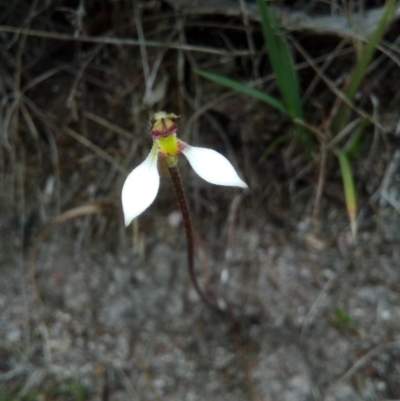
(212, 166)
(140, 188)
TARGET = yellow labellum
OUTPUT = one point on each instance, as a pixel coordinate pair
(168, 145)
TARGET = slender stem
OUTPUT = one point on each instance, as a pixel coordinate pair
(183, 206)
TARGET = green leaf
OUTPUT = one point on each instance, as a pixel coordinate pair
(243, 88)
(272, 147)
(283, 68)
(355, 144)
(349, 189)
(360, 68)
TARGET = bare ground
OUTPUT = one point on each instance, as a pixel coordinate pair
(126, 329)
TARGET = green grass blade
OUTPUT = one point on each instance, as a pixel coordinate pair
(281, 61)
(274, 144)
(243, 88)
(355, 144)
(362, 64)
(283, 68)
(349, 189)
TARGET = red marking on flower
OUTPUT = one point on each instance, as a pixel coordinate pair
(181, 146)
(163, 127)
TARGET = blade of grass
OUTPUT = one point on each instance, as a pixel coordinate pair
(274, 144)
(243, 88)
(362, 64)
(281, 61)
(355, 144)
(349, 189)
(282, 65)
(343, 111)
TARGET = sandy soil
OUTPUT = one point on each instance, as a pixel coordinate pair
(316, 318)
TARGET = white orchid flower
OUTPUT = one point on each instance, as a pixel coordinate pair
(141, 185)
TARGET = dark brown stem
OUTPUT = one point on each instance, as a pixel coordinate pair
(183, 206)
